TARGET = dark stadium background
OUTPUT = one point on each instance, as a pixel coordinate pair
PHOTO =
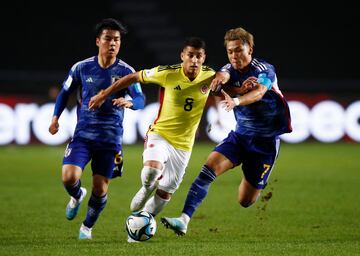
(40, 41)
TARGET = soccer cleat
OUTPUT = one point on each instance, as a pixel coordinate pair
(140, 198)
(85, 232)
(73, 206)
(176, 224)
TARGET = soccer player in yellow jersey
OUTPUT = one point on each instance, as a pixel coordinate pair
(184, 91)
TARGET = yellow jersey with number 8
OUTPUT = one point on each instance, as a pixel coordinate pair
(182, 102)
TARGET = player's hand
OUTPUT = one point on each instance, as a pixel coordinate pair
(96, 101)
(54, 126)
(121, 102)
(228, 103)
(216, 84)
(249, 84)
(218, 81)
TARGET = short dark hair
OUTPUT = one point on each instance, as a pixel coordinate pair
(195, 42)
(109, 23)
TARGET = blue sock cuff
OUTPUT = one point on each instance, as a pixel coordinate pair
(207, 174)
(74, 189)
(97, 199)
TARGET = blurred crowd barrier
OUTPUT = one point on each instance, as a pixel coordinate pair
(319, 117)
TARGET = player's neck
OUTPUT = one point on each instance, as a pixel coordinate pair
(191, 75)
(106, 62)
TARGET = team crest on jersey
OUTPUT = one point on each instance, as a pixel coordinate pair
(204, 89)
(114, 79)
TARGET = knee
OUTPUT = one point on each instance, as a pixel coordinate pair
(149, 175)
(70, 174)
(99, 191)
(69, 178)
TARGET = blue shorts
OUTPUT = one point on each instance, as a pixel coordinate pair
(106, 158)
(256, 154)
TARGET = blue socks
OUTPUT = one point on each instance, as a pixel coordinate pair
(198, 190)
(95, 207)
(74, 190)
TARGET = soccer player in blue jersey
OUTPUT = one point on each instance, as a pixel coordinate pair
(98, 133)
(261, 114)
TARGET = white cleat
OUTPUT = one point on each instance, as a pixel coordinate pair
(176, 224)
(85, 232)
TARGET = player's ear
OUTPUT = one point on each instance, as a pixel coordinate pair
(182, 55)
(97, 42)
(250, 50)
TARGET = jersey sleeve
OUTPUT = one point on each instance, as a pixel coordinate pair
(227, 68)
(138, 98)
(154, 75)
(68, 86)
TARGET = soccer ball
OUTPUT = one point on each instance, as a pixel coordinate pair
(140, 226)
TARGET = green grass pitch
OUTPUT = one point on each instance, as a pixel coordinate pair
(314, 208)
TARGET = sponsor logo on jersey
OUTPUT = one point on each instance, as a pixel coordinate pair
(177, 88)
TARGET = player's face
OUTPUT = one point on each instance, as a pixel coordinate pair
(192, 59)
(109, 43)
(239, 54)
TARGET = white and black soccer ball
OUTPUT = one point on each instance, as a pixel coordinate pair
(140, 226)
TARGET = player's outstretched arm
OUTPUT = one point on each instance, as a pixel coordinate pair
(220, 79)
(252, 96)
(124, 82)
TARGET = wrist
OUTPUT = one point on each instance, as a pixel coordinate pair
(236, 101)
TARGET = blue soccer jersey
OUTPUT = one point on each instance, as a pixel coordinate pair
(268, 117)
(88, 77)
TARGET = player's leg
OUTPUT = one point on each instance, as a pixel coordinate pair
(96, 205)
(149, 174)
(223, 158)
(154, 157)
(257, 167)
(247, 193)
(215, 166)
(172, 176)
(103, 165)
(71, 175)
(75, 158)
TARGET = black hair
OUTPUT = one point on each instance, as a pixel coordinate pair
(195, 42)
(109, 23)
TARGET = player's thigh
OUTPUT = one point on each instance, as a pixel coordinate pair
(76, 156)
(174, 170)
(156, 150)
(105, 160)
(258, 166)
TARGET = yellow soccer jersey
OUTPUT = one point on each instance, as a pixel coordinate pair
(181, 102)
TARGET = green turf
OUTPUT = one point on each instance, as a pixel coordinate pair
(314, 210)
